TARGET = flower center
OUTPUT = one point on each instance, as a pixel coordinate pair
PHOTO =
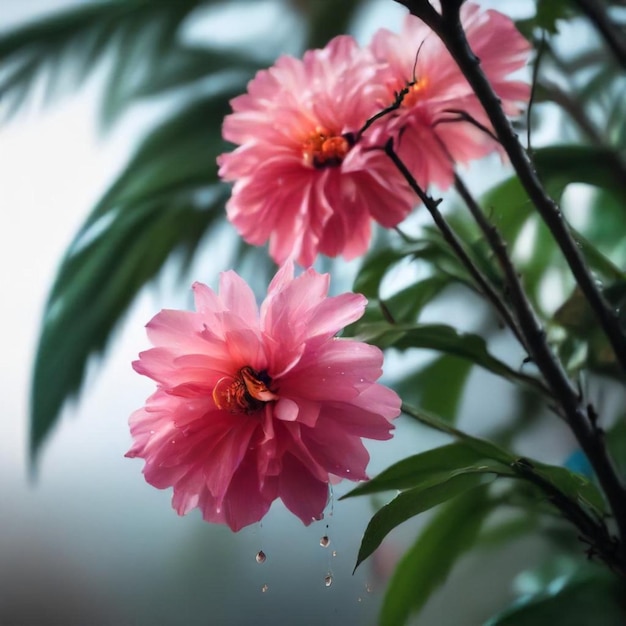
(246, 392)
(324, 149)
(415, 91)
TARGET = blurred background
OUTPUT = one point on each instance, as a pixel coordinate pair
(83, 539)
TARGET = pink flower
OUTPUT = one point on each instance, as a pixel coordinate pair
(300, 180)
(253, 406)
(426, 123)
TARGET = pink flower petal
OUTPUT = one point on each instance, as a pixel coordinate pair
(293, 402)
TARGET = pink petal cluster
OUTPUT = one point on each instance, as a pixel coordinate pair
(299, 179)
(253, 405)
(430, 134)
(305, 177)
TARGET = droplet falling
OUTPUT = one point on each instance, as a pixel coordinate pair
(264, 588)
(328, 580)
(260, 557)
(325, 541)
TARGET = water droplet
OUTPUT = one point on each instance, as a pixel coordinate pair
(152, 432)
(260, 557)
(173, 440)
(368, 588)
(325, 541)
(264, 588)
(334, 552)
(359, 599)
(328, 580)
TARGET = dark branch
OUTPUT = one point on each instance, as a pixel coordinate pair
(454, 242)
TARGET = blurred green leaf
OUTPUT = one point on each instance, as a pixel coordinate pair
(575, 486)
(419, 499)
(166, 199)
(428, 468)
(443, 339)
(451, 532)
(558, 166)
(484, 447)
(67, 46)
(375, 266)
(437, 387)
(575, 600)
(576, 316)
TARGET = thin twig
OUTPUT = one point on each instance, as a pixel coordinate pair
(533, 89)
(454, 242)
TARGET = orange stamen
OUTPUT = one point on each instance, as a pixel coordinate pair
(415, 91)
(323, 148)
(244, 393)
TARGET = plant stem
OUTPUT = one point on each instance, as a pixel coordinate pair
(581, 421)
(449, 29)
(451, 237)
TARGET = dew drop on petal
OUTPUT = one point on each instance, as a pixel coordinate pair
(328, 580)
(264, 588)
(325, 541)
(260, 557)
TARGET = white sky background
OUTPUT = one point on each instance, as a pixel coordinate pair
(90, 516)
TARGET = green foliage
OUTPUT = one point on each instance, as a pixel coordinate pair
(67, 46)
(168, 197)
(425, 566)
(429, 468)
(569, 593)
(438, 387)
(154, 209)
(429, 493)
(444, 339)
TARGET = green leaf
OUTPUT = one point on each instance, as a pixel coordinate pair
(428, 468)
(374, 268)
(573, 485)
(403, 307)
(166, 199)
(438, 387)
(451, 533)
(485, 448)
(94, 288)
(558, 167)
(67, 46)
(417, 500)
(443, 339)
(574, 600)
